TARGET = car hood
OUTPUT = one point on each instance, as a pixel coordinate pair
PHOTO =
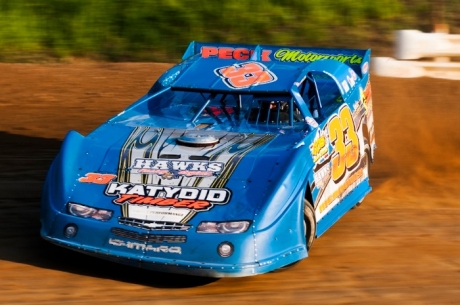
(154, 175)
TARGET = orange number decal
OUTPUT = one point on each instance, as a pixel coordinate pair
(246, 74)
(97, 178)
(345, 142)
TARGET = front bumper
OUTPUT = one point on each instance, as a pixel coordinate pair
(197, 256)
(185, 267)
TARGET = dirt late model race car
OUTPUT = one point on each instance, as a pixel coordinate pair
(231, 165)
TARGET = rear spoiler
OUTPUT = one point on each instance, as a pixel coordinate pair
(357, 59)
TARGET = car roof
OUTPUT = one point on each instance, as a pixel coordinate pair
(208, 74)
(278, 69)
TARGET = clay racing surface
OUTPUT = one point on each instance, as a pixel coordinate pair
(402, 246)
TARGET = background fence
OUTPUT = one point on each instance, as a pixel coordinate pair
(421, 54)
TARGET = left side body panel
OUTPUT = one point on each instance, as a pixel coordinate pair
(342, 149)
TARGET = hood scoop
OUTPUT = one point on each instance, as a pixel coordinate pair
(197, 139)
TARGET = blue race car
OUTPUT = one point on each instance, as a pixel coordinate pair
(232, 164)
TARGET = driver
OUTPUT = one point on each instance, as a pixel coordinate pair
(275, 111)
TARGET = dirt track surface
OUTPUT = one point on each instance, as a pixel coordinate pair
(402, 246)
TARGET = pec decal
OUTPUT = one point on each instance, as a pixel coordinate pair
(232, 53)
(169, 169)
(245, 75)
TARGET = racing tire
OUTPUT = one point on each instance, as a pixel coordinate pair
(309, 221)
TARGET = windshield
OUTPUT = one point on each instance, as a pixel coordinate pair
(221, 111)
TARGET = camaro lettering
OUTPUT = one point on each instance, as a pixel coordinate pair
(198, 199)
(144, 247)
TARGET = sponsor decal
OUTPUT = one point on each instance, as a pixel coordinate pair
(290, 55)
(144, 247)
(343, 190)
(322, 175)
(149, 238)
(147, 191)
(366, 97)
(97, 178)
(172, 169)
(362, 98)
(319, 148)
(197, 199)
(365, 68)
(350, 80)
(336, 153)
(283, 54)
(245, 75)
(232, 53)
(141, 139)
(311, 121)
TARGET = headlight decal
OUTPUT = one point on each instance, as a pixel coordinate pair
(84, 211)
(230, 227)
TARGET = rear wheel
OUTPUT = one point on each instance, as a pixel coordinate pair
(309, 223)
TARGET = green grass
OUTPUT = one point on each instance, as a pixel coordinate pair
(147, 30)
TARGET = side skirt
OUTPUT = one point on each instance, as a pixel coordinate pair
(347, 203)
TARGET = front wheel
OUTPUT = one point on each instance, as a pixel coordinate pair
(309, 223)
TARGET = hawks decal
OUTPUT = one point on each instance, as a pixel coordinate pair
(162, 181)
(142, 139)
(171, 169)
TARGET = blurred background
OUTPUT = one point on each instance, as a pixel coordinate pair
(400, 247)
(143, 30)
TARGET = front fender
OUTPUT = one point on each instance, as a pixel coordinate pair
(284, 238)
(61, 178)
(278, 223)
(286, 186)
